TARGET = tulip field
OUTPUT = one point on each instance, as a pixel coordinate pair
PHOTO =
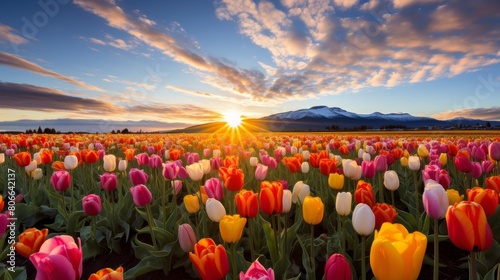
(236, 205)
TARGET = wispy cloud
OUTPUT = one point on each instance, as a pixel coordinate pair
(491, 113)
(30, 97)
(8, 34)
(329, 46)
(11, 60)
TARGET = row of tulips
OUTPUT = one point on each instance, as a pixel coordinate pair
(261, 200)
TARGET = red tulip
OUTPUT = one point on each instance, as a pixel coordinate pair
(337, 268)
(364, 193)
(293, 164)
(233, 177)
(271, 197)
(487, 198)
(493, 183)
(91, 205)
(22, 159)
(384, 213)
(210, 260)
(327, 166)
(467, 226)
(463, 164)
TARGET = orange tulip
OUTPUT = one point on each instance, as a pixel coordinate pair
(247, 203)
(233, 177)
(174, 154)
(129, 154)
(314, 160)
(467, 226)
(210, 260)
(493, 183)
(487, 198)
(293, 164)
(108, 274)
(30, 241)
(384, 213)
(364, 193)
(2, 203)
(45, 156)
(58, 165)
(327, 166)
(22, 159)
(91, 156)
(231, 161)
(271, 197)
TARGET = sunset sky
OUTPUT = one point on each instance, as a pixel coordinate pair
(171, 64)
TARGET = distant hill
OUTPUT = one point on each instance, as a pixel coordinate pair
(323, 118)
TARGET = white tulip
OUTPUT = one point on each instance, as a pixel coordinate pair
(300, 191)
(391, 180)
(363, 219)
(70, 162)
(287, 201)
(109, 163)
(343, 203)
(215, 210)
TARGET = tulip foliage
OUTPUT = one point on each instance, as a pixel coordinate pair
(256, 206)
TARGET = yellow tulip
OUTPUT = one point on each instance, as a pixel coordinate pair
(404, 161)
(312, 210)
(454, 196)
(192, 203)
(422, 151)
(443, 158)
(397, 254)
(336, 181)
(231, 228)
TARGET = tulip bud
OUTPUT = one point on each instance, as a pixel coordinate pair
(187, 238)
(494, 151)
(337, 268)
(336, 181)
(155, 161)
(176, 185)
(487, 198)
(37, 174)
(231, 228)
(343, 203)
(304, 167)
(215, 209)
(214, 189)
(363, 219)
(122, 165)
(70, 162)
(195, 171)
(443, 158)
(91, 205)
(287, 201)
(380, 163)
(192, 203)
(422, 151)
(254, 161)
(60, 180)
(137, 176)
(261, 172)
(108, 181)
(414, 163)
(109, 163)
(391, 180)
(2, 158)
(141, 195)
(313, 210)
(300, 191)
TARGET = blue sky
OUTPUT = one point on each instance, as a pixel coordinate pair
(171, 64)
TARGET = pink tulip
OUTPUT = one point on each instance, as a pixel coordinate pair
(444, 179)
(430, 172)
(463, 164)
(273, 164)
(137, 176)
(257, 271)
(261, 172)
(487, 166)
(155, 161)
(141, 195)
(368, 169)
(187, 238)
(182, 173)
(215, 163)
(435, 200)
(109, 181)
(60, 180)
(380, 163)
(214, 189)
(476, 170)
(337, 267)
(142, 159)
(91, 205)
(177, 186)
(494, 151)
(58, 258)
(478, 154)
(170, 170)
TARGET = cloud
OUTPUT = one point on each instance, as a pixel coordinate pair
(491, 114)
(185, 112)
(18, 62)
(7, 34)
(30, 97)
(319, 47)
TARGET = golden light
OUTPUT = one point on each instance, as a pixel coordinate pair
(232, 119)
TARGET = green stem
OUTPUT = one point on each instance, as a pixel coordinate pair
(363, 253)
(380, 188)
(311, 256)
(417, 202)
(250, 236)
(436, 251)
(64, 203)
(93, 227)
(342, 228)
(151, 225)
(392, 198)
(473, 265)
(233, 261)
(163, 203)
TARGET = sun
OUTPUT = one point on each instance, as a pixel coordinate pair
(232, 119)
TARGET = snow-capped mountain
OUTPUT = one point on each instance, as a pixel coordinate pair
(323, 117)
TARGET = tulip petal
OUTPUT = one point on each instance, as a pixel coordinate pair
(385, 261)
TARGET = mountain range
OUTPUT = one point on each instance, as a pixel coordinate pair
(323, 118)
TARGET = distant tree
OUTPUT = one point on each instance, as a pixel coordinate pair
(118, 131)
(46, 130)
(125, 131)
(39, 130)
(29, 131)
(113, 131)
(488, 124)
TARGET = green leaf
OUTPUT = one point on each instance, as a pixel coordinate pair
(492, 275)
(147, 264)
(407, 219)
(270, 240)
